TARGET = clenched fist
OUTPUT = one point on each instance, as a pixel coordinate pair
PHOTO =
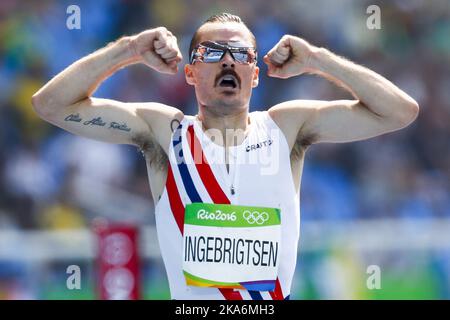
(291, 56)
(158, 49)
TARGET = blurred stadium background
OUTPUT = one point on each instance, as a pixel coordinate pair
(385, 201)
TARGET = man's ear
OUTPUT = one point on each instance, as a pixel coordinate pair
(189, 74)
(255, 79)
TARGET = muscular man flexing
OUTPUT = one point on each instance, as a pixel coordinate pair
(227, 230)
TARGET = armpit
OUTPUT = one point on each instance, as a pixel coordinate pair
(301, 144)
(151, 151)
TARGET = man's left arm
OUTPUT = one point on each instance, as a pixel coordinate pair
(379, 105)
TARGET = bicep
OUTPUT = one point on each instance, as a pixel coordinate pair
(315, 121)
(101, 119)
(343, 121)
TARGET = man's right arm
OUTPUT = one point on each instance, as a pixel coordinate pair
(66, 101)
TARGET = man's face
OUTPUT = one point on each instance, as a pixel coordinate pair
(211, 92)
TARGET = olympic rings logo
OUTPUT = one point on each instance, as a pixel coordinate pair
(255, 217)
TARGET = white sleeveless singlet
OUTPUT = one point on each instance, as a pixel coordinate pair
(259, 175)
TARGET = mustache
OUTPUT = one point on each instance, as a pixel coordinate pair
(226, 72)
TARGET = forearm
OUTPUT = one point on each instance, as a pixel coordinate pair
(375, 92)
(81, 79)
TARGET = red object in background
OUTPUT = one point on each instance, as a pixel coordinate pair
(118, 262)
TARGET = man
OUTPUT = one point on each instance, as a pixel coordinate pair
(227, 230)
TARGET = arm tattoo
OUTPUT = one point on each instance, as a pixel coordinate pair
(73, 117)
(174, 124)
(98, 122)
(95, 122)
(123, 126)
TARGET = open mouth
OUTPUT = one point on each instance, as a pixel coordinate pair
(228, 81)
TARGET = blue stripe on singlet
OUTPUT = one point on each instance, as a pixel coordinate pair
(256, 295)
(182, 167)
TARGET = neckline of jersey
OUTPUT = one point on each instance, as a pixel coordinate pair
(199, 129)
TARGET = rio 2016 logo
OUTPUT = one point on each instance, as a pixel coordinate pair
(255, 217)
(202, 214)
